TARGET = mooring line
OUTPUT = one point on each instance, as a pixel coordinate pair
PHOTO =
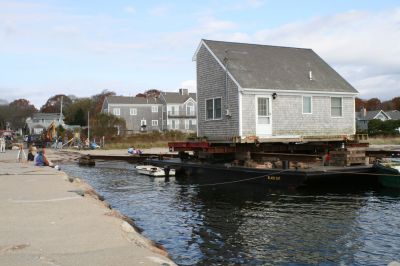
(242, 180)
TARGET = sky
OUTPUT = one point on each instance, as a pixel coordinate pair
(82, 47)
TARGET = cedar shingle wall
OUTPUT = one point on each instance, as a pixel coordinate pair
(211, 84)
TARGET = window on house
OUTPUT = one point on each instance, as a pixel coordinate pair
(336, 106)
(190, 108)
(117, 111)
(194, 121)
(307, 102)
(213, 108)
(263, 107)
(154, 108)
(133, 111)
(154, 123)
(187, 124)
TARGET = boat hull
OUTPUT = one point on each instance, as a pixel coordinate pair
(388, 177)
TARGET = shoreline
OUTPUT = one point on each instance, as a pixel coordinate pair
(129, 239)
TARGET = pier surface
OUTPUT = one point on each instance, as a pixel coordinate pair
(48, 220)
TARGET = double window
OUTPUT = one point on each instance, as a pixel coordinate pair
(213, 109)
(133, 111)
(117, 111)
(336, 106)
(154, 123)
(154, 108)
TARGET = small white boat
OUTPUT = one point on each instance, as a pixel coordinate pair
(154, 171)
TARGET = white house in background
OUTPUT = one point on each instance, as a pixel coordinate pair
(246, 90)
(363, 117)
(180, 110)
(41, 121)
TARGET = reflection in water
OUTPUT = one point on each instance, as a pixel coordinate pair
(252, 225)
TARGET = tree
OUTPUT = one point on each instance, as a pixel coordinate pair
(98, 100)
(76, 113)
(373, 104)
(18, 111)
(360, 103)
(396, 103)
(53, 104)
(152, 93)
(106, 125)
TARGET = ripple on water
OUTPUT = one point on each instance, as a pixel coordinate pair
(250, 225)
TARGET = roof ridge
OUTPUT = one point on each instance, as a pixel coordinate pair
(258, 44)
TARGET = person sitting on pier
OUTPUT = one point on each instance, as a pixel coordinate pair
(41, 159)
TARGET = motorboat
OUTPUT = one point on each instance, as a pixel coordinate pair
(154, 171)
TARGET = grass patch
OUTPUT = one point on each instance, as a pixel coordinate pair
(384, 140)
(147, 140)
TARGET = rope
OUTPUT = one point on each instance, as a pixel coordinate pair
(238, 181)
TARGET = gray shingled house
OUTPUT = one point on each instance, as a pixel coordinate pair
(246, 90)
(180, 110)
(363, 117)
(169, 111)
(140, 113)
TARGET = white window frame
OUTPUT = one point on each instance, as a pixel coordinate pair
(154, 109)
(154, 123)
(341, 106)
(213, 108)
(145, 122)
(117, 111)
(133, 111)
(187, 123)
(311, 105)
(194, 122)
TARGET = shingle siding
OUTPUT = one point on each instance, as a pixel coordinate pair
(133, 122)
(211, 84)
(288, 118)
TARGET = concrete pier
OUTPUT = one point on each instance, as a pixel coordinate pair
(46, 219)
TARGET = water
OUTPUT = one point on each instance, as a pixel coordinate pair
(250, 225)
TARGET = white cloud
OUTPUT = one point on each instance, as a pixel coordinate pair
(130, 9)
(189, 84)
(362, 44)
(159, 11)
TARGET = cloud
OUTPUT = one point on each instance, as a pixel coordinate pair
(130, 9)
(361, 45)
(246, 4)
(159, 11)
(189, 84)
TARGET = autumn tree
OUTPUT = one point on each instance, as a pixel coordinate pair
(98, 100)
(53, 104)
(106, 125)
(360, 103)
(76, 113)
(373, 104)
(18, 111)
(152, 93)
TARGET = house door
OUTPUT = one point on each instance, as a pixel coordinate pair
(263, 118)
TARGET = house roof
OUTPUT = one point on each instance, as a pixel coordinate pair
(279, 68)
(371, 115)
(47, 116)
(176, 97)
(394, 114)
(132, 100)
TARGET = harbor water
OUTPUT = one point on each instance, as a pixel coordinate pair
(240, 224)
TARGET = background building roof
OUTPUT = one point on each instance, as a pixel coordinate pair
(132, 100)
(176, 97)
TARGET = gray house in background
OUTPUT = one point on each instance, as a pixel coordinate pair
(180, 110)
(363, 117)
(169, 111)
(247, 90)
(140, 113)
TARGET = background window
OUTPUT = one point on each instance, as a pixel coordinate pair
(154, 123)
(133, 111)
(154, 108)
(307, 105)
(116, 111)
(336, 106)
(217, 108)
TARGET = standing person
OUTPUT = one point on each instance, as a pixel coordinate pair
(21, 152)
(2, 144)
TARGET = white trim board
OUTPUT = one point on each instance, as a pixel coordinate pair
(295, 92)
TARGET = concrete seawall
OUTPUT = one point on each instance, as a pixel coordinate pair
(49, 218)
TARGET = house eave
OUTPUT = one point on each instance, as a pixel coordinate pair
(294, 92)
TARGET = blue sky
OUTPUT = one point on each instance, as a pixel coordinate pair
(83, 47)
